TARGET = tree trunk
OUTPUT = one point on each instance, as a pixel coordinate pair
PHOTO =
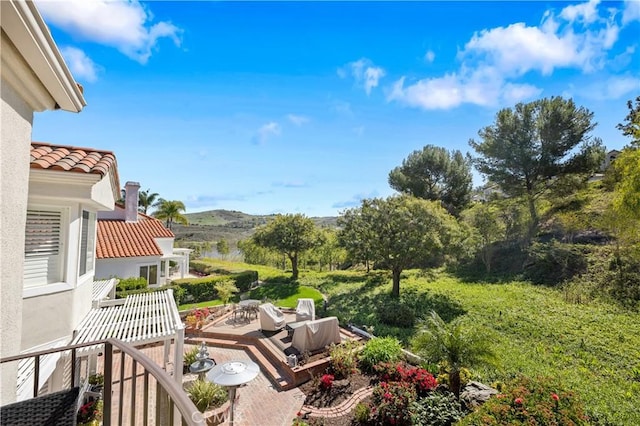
(294, 266)
(454, 382)
(395, 291)
(533, 227)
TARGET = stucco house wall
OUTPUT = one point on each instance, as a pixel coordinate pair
(33, 77)
(16, 118)
(123, 267)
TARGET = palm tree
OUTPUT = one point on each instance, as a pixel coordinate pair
(170, 211)
(146, 200)
(452, 343)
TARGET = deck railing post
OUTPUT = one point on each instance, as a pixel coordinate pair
(36, 375)
(108, 381)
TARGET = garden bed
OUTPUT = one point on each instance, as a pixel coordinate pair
(340, 390)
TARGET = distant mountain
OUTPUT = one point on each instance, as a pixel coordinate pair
(214, 225)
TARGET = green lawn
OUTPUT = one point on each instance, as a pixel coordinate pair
(285, 295)
(200, 305)
(594, 349)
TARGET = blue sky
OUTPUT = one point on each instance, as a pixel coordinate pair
(293, 107)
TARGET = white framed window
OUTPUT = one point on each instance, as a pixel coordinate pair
(150, 272)
(87, 242)
(44, 247)
(163, 266)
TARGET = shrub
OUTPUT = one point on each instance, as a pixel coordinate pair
(190, 356)
(554, 263)
(436, 409)
(178, 293)
(244, 279)
(132, 283)
(380, 349)
(421, 379)
(391, 402)
(443, 374)
(96, 379)
(344, 359)
(200, 267)
(527, 401)
(397, 314)
(204, 289)
(205, 394)
(225, 289)
(361, 413)
(326, 382)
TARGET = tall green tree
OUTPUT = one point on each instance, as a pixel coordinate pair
(459, 346)
(434, 173)
(356, 236)
(631, 126)
(170, 212)
(329, 252)
(290, 234)
(531, 147)
(222, 247)
(485, 219)
(403, 232)
(147, 199)
(258, 255)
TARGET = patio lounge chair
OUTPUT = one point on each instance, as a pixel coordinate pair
(54, 409)
(314, 335)
(306, 310)
(271, 318)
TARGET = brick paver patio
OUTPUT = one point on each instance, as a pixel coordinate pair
(258, 403)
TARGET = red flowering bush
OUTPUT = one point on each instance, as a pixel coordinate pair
(526, 401)
(89, 412)
(327, 381)
(391, 402)
(201, 314)
(399, 372)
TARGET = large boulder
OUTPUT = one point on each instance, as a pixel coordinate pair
(475, 394)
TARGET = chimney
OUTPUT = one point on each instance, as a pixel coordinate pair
(131, 201)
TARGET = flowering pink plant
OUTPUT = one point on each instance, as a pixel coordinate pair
(327, 381)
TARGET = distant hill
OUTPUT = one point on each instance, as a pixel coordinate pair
(233, 226)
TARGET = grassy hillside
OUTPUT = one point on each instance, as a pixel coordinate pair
(594, 349)
(232, 226)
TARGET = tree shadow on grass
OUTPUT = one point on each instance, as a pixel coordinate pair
(363, 307)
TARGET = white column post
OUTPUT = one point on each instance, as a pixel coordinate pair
(178, 348)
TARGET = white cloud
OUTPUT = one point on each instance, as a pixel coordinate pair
(586, 12)
(365, 73)
(342, 108)
(125, 25)
(429, 56)
(452, 90)
(491, 62)
(298, 120)
(265, 132)
(613, 88)
(82, 67)
(631, 11)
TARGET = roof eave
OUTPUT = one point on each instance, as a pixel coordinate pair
(24, 25)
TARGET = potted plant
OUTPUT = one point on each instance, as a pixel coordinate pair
(97, 382)
(90, 414)
(189, 358)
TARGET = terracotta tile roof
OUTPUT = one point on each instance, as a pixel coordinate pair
(72, 159)
(117, 238)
